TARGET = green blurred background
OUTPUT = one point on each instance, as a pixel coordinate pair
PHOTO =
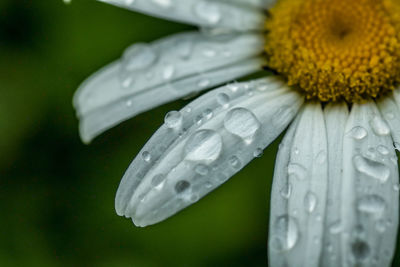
(57, 195)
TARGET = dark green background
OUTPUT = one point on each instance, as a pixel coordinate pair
(57, 195)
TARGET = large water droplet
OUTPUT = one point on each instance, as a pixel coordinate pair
(371, 168)
(379, 126)
(358, 133)
(284, 234)
(173, 119)
(372, 204)
(310, 202)
(203, 145)
(242, 122)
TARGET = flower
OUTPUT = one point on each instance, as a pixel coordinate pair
(336, 68)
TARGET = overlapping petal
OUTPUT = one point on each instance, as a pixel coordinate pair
(168, 69)
(202, 146)
(369, 215)
(299, 192)
(205, 13)
(336, 116)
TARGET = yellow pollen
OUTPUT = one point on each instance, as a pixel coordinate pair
(336, 49)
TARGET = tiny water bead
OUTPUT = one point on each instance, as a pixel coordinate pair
(337, 49)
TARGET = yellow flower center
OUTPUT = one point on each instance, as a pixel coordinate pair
(336, 49)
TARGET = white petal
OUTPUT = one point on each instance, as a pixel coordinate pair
(204, 13)
(336, 116)
(391, 113)
(150, 75)
(202, 146)
(299, 192)
(369, 219)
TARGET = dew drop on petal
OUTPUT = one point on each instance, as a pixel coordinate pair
(310, 202)
(297, 171)
(371, 168)
(157, 179)
(208, 113)
(258, 153)
(201, 169)
(383, 150)
(242, 122)
(358, 133)
(181, 186)
(168, 72)
(138, 56)
(146, 156)
(234, 161)
(360, 250)
(379, 126)
(223, 100)
(173, 119)
(371, 204)
(285, 233)
(203, 145)
(286, 191)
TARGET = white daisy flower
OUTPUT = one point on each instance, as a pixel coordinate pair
(335, 191)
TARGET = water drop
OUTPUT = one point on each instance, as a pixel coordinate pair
(284, 234)
(203, 145)
(157, 180)
(168, 72)
(358, 133)
(243, 123)
(371, 168)
(310, 202)
(258, 153)
(234, 161)
(360, 250)
(201, 169)
(223, 100)
(286, 191)
(146, 156)
(181, 186)
(371, 204)
(208, 113)
(173, 119)
(379, 126)
(383, 150)
(297, 171)
(203, 83)
(138, 57)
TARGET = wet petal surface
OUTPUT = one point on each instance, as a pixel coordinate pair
(236, 15)
(204, 145)
(149, 75)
